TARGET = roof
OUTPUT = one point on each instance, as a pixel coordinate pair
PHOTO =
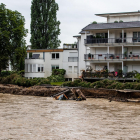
(77, 36)
(83, 32)
(106, 14)
(45, 50)
(121, 25)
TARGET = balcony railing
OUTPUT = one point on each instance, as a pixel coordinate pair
(72, 59)
(34, 58)
(112, 40)
(111, 56)
(108, 75)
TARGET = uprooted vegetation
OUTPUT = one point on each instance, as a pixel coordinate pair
(107, 84)
(17, 79)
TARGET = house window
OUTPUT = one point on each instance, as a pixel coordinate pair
(34, 67)
(70, 69)
(75, 69)
(38, 67)
(55, 55)
(42, 68)
(136, 36)
(30, 67)
(68, 79)
(121, 35)
(26, 67)
(55, 67)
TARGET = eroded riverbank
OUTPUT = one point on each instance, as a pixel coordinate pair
(47, 91)
(34, 117)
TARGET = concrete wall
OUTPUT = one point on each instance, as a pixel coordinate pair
(66, 64)
(123, 18)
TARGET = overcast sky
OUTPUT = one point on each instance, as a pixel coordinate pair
(74, 14)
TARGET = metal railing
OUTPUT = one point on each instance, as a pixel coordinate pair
(72, 59)
(112, 40)
(108, 75)
(111, 56)
(34, 58)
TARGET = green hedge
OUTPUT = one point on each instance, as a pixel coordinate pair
(58, 72)
(108, 84)
(21, 81)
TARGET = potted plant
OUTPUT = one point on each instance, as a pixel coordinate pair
(125, 55)
(105, 57)
(89, 56)
(117, 57)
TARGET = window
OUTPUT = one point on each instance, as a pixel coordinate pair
(68, 79)
(26, 67)
(55, 55)
(75, 69)
(42, 68)
(70, 69)
(30, 67)
(34, 67)
(72, 59)
(38, 67)
(55, 67)
(136, 36)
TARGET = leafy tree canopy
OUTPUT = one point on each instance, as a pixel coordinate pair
(44, 24)
(12, 33)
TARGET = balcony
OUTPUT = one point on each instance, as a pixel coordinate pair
(105, 57)
(109, 75)
(69, 46)
(72, 59)
(118, 41)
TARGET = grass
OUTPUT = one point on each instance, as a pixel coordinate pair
(57, 83)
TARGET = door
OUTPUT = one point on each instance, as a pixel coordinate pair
(125, 69)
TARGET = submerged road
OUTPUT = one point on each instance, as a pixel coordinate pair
(42, 118)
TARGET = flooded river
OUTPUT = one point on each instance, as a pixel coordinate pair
(41, 118)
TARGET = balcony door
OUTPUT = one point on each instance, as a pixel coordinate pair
(136, 36)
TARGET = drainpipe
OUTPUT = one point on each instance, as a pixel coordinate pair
(78, 58)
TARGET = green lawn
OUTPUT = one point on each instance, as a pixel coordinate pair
(57, 83)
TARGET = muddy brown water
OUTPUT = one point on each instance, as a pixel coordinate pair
(43, 118)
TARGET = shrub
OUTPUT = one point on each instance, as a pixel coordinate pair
(94, 22)
(56, 78)
(115, 21)
(21, 81)
(120, 21)
(58, 72)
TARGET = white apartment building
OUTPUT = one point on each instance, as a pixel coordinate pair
(43, 61)
(114, 45)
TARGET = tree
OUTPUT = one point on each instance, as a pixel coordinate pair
(12, 33)
(44, 24)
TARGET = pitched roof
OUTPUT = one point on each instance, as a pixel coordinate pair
(135, 24)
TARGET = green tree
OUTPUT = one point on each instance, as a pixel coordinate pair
(44, 24)
(12, 33)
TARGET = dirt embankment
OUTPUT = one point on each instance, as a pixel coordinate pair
(33, 91)
(48, 91)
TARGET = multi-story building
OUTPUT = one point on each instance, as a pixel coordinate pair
(114, 45)
(43, 61)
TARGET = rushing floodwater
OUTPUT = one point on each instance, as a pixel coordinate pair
(41, 118)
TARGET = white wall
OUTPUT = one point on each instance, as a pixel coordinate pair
(66, 64)
(49, 62)
(123, 18)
